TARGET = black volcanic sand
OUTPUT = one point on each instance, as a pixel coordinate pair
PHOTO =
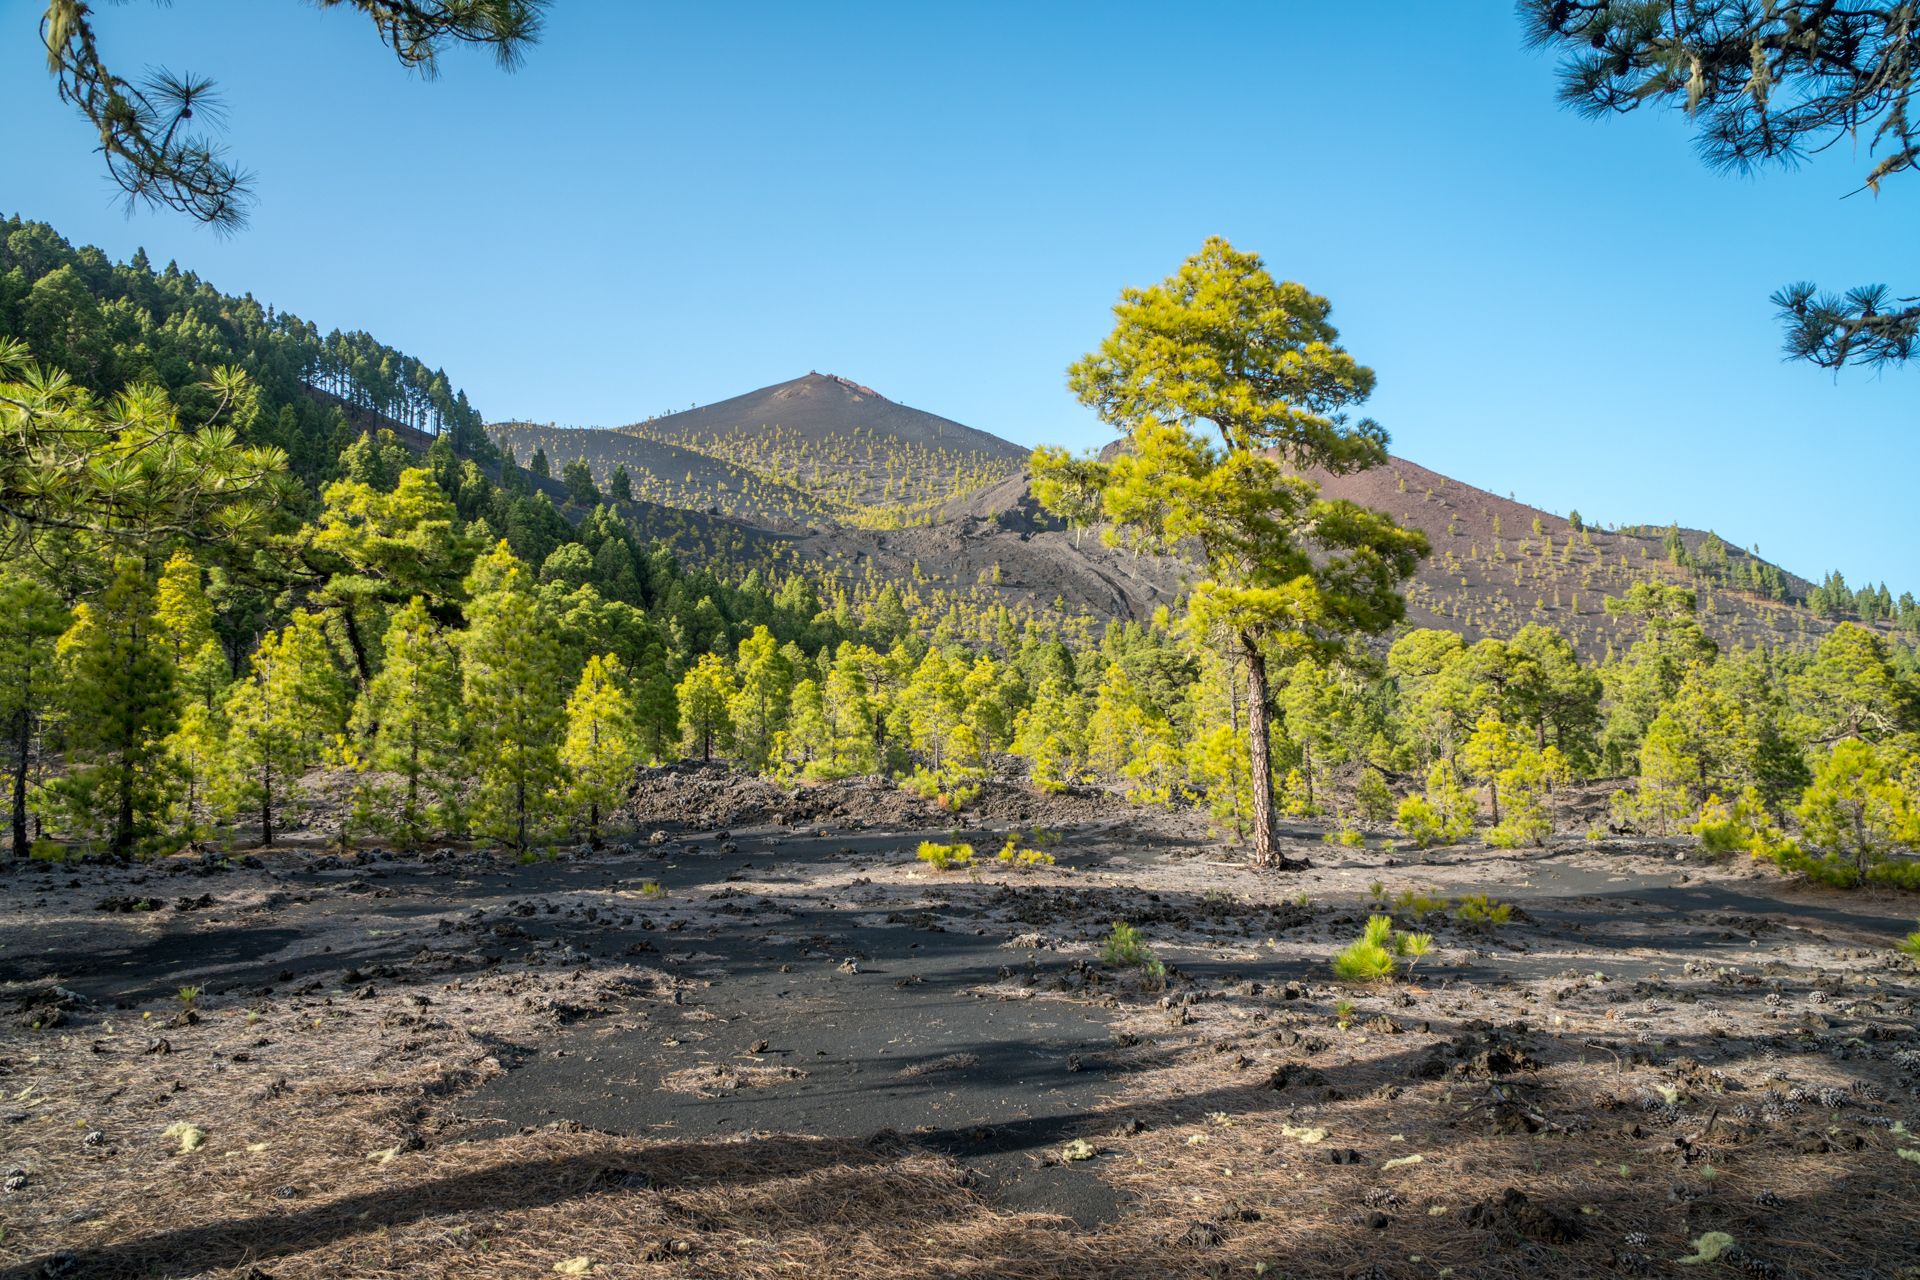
(820, 982)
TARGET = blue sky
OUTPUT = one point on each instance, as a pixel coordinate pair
(669, 205)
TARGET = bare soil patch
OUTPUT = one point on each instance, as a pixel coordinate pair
(786, 1048)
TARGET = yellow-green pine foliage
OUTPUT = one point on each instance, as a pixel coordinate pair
(1853, 689)
(1444, 814)
(806, 744)
(129, 467)
(987, 695)
(706, 694)
(931, 706)
(1228, 383)
(382, 548)
(121, 702)
(1318, 710)
(1662, 800)
(31, 621)
(282, 715)
(197, 747)
(1864, 803)
(602, 748)
(1217, 756)
(758, 707)
(1050, 733)
(1490, 751)
(197, 750)
(1128, 739)
(513, 689)
(185, 617)
(411, 717)
(856, 695)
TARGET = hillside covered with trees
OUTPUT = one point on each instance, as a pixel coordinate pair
(466, 645)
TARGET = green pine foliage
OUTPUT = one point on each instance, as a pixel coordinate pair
(119, 703)
(411, 719)
(282, 716)
(513, 693)
(602, 748)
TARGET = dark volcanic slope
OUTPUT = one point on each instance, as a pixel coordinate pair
(667, 474)
(842, 442)
(821, 407)
(1491, 573)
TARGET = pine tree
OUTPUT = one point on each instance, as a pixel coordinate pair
(656, 706)
(412, 715)
(283, 715)
(602, 748)
(930, 707)
(513, 686)
(758, 708)
(856, 700)
(705, 694)
(121, 704)
(31, 621)
(184, 614)
(197, 750)
(1287, 574)
(808, 738)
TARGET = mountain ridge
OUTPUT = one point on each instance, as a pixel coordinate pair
(848, 477)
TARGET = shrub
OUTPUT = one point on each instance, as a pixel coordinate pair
(1743, 826)
(943, 857)
(958, 796)
(1525, 824)
(1123, 945)
(1367, 958)
(1415, 904)
(1348, 836)
(1861, 804)
(1413, 946)
(1444, 815)
(1372, 797)
(1482, 912)
(1911, 943)
(1023, 859)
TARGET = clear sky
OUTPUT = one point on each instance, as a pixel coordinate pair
(671, 204)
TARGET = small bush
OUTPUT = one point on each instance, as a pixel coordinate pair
(944, 857)
(1023, 859)
(1911, 943)
(1525, 826)
(1123, 945)
(1372, 797)
(1744, 826)
(958, 797)
(1369, 957)
(1482, 912)
(1413, 947)
(1348, 836)
(1415, 904)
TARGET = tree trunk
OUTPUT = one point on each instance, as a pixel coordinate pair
(1266, 851)
(266, 805)
(22, 742)
(361, 665)
(123, 814)
(520, 811)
